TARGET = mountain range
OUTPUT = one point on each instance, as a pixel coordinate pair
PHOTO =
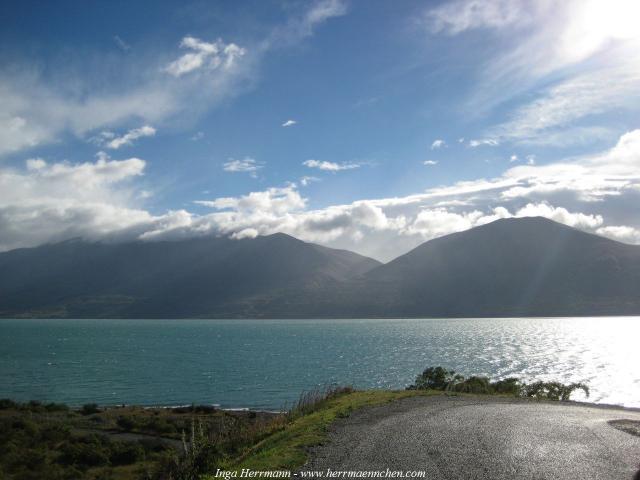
(511, 267)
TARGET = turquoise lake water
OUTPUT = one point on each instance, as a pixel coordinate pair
(267, 363)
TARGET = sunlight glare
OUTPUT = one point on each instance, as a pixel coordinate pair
(596, 22)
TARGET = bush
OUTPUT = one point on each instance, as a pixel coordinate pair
(125, 423)
(6, 404)
(125, 453)
(509, 385)
(56, 407)
(473, 385)
(89, 409)
(205, 409)
(552, 390)
(439, 378)
(85, 452)
(200, 455)
(436, 378)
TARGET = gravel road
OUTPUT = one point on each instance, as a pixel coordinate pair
(484, 438)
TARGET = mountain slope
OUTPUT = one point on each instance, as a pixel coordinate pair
(196, 277)
(526, 266)
(512, 267)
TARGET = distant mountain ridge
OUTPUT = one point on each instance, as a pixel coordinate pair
(215, 276)
(511, 267)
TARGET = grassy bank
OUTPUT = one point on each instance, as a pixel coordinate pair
(187, 443)
(287, 449)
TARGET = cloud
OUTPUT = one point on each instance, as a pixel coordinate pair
(459, 16)
(513, 158)
(209, 56)
(552, 64)
(246, 165)
(122, 45)
(306, 180)
(621, 233)
(491, 142)
(289, 123)
(330, 166)
(549, 119)
(113, 142)
(46, 201)
(152, 90)
(273, 201)
(438, 144)
(430, 162)
(303, 25)
(36, 112)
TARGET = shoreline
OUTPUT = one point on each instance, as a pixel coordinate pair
(239, 409)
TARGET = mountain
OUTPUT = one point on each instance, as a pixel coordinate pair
(210, 277)
(511, 267)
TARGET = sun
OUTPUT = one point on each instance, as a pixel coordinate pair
(593, 24)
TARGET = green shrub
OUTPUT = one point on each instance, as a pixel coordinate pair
(473, 385)
(439, 378)
(56, 407)
(125, 453)
(6, 404)
(89, 409)
(126, 423)
(553, 390)
(509, 385)
(436, 378)
(84, 453)
(200, 454)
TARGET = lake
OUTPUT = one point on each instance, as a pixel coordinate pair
(267, 363)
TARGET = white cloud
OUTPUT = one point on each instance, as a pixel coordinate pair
(303, 25)
(289, 123)
(37, 111)
(558, 62)
(209, 56)
(53, 201)
(128, 138)
(274, 201)
(561, 215)
(621, 233)
(549, 119)
(124, 46)
(330, 166)
(430, 162)
(246, 165)
(438, 144)
(306, 180)
(513, 158)
(462, 15)
(491, 142)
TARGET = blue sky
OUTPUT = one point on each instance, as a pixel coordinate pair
(372, 126)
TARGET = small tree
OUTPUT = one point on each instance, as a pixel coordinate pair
(436, 378)
(553, 390)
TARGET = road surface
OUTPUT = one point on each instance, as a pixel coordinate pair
(484, 438)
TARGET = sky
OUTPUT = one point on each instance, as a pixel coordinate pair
(372, 126)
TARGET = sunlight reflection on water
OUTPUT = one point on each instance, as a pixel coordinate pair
(266, 363)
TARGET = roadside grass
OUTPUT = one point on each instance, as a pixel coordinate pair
(308, 427)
